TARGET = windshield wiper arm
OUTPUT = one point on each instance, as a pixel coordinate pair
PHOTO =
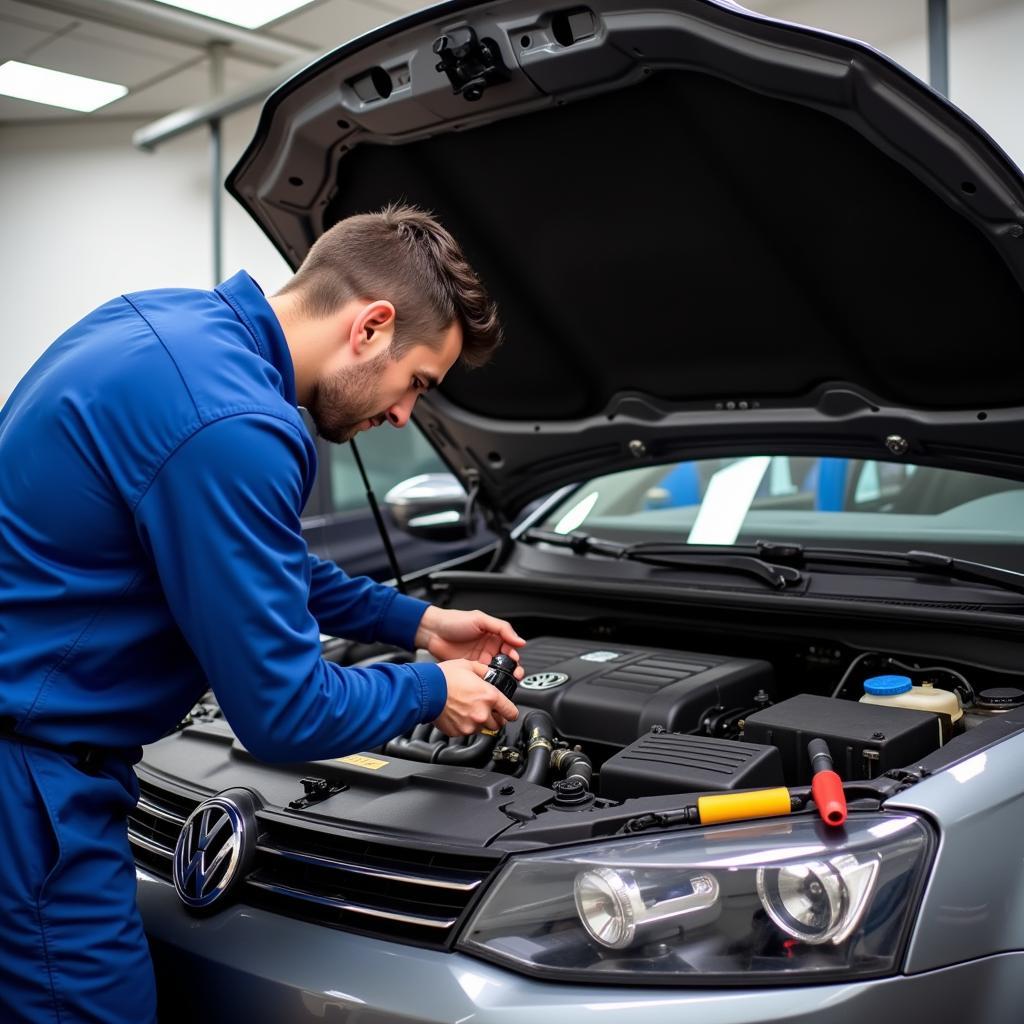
(927, 561)
(673, 556)
(579, 543)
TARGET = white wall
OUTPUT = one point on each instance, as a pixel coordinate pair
(84, 216)
(987, 68)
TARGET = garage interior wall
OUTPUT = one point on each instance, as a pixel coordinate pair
(86, 217)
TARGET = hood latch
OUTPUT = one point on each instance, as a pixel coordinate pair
(471, 64)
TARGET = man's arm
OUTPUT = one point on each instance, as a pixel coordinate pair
(358, 608)
(381, 613)
(221, 523)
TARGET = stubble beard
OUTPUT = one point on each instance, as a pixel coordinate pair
(344, 401)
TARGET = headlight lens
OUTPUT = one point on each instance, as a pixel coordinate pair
(783, 900)
(819, 900)
(615, 913)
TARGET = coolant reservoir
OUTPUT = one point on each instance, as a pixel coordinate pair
(898, 691)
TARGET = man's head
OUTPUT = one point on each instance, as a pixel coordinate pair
(379, 311)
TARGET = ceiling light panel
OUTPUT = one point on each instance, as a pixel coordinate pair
(247, 13)
(57, 88)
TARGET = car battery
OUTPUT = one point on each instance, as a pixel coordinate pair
(672, 762)
(865, 740)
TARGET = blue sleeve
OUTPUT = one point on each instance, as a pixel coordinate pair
(221, 524)
(360, 608)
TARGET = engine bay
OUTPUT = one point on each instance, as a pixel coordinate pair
(629, 722)
(614, 721)
(646, 726)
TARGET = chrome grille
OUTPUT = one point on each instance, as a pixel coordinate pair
(396, 892)
(154, 825)
(412, 894)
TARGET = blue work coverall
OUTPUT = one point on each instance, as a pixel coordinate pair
(153, 468)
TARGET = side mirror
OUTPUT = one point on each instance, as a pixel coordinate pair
(431, 506)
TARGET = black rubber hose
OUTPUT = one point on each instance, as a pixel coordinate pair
(430, 745)
(413, 750)
(539, 731)
(397, 746)
(574, 764)
(411, 746)
(476, 752)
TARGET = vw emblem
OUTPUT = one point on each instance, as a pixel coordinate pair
(544, 680)
(214, 848)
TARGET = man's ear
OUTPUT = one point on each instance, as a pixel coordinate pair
(373, 328)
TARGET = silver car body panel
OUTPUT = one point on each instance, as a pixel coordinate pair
(974, 902)
(250, 965)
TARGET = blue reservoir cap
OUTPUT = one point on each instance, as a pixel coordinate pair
(887, 686)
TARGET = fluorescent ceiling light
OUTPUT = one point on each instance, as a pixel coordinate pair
(247, 13)
(56, 88)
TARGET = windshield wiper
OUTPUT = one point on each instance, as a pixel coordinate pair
(673, 556)
(925, 561)
(776, 563)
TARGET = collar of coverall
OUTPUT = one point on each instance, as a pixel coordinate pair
(246, 298)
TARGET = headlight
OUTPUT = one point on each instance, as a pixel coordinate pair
(615, 913)
(819, 900)
(782, 900)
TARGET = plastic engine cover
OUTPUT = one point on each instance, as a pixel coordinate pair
(668, 762)
(865, 740)
(613, 694)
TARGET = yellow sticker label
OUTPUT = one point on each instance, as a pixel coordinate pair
(363, 761)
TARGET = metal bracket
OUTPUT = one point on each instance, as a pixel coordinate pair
(906, 777)
(471, 64)
(317, 790)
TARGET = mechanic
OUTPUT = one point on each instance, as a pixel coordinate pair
(155, 467)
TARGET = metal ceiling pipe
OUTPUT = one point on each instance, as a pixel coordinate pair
(216, 162)
(152, 135)
(178, 26)
(938, 45)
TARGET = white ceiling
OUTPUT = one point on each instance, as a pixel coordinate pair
(162, 74)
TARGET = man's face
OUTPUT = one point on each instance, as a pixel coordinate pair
(351, 398)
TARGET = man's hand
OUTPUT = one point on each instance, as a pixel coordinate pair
(449, 634)
(472, 704)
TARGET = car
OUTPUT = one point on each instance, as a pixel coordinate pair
(752, 463)
(338, 524)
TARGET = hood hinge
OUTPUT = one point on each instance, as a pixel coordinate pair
(906, 777)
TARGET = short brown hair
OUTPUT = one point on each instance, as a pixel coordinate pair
(401, 254)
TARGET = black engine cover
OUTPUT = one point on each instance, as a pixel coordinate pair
(668, 762)
(865, 740)
(613, 694)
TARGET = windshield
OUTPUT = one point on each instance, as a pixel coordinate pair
(807, 500)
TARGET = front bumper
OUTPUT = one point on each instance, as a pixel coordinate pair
(246, 964)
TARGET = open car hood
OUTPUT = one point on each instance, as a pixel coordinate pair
(708, 233)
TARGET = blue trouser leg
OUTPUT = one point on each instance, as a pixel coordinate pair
(72, 948)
